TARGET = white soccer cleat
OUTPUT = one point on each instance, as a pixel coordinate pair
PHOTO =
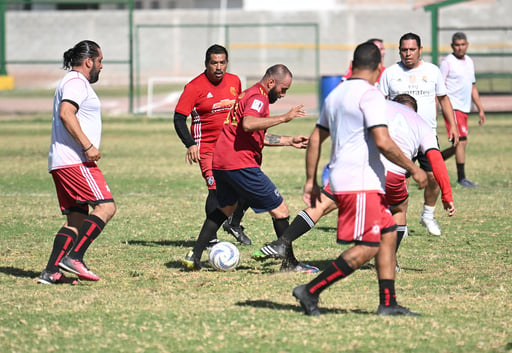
(431, 225)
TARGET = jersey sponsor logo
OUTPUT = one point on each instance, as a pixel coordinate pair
(257, 105)
(209, 95)
(224, 104)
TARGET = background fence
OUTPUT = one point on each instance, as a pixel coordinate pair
(139, 45)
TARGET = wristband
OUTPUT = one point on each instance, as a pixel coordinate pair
(88, 148)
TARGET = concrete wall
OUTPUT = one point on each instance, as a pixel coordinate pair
(45, 35)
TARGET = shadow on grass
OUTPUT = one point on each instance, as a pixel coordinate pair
(371, 266)
(205, 266)
(267, 304)
(18, 272)
(163, 242)
(326, 229)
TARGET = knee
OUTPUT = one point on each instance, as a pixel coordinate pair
(105, 211)
(280, 212)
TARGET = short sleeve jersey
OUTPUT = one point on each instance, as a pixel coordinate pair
(237, 149)
(64, 150)
(459, 76)
(208, 105)
(424, 83)
(349, 112)
(410, 132)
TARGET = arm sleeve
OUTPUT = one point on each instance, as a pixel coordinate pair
(440, 173)
(180, 125)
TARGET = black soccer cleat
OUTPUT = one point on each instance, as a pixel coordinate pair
(395, 310)
(308, 301)
(275, 250)
(237, 232)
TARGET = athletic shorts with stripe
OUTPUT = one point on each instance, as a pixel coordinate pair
(461, 119)
(79, 186)
(363, 217)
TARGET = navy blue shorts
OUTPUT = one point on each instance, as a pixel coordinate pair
(250, 184)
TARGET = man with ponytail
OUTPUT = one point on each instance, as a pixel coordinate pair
(74, 151)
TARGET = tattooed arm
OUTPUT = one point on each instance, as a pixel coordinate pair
(299, 141)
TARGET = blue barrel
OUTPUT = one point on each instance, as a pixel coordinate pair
(327, 85)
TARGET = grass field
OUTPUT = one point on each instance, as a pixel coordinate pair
(461, 282)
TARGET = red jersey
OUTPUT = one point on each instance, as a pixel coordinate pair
(237, 149)
(208, 105)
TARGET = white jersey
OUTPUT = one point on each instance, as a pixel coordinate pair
(424, 83)
(65, 151)
(410, 132)
(349, 111)
(459, 77)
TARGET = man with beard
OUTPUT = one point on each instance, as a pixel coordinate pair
(76, 136)
(208, 99)
(237, 160)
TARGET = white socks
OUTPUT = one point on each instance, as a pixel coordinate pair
(428, 211)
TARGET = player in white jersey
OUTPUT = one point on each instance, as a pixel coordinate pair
(74, 151)
(352, 116)
(425, 83)
(412, 135)
(458, 72)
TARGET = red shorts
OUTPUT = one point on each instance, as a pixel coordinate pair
(80, 185)
(363, 217)
(205, 163)
(461, 119)
(396, 188)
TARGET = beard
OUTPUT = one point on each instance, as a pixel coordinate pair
(272, 95)
(94, 75)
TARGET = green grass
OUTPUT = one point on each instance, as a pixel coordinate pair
(460, 282)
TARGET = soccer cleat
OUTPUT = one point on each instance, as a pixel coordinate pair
(79, 268)
(308, 301)
(394, 310)
(431, 225)
(298, 267)
(275, 250)
(467, 183)
(190, 262)
(55, 278)
(237, 232)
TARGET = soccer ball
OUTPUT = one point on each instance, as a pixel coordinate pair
(224, 256)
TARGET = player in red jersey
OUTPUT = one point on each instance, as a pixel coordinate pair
(208, 99)
(237, 160)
